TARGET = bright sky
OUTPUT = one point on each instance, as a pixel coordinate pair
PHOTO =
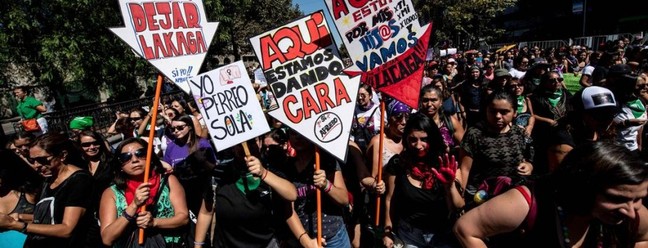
(310, 6)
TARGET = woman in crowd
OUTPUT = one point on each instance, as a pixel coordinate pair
(136, 118)
(592, 200)
(422, 194)
(19, 186)
(397, 117)
(450, 105)
(183, 109)
(22, 141)
(524, 117)
(163, 195)
(450, 127)
(300, 170)
(591, 120)
(185, 142)
(550, 102)
(494, 147)
(60, 218)
(246, 203)
(97, 157)
(366, 120)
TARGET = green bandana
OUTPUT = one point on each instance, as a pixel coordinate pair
(250, 181)
(520, 104)
(637, 108)
(554, 97)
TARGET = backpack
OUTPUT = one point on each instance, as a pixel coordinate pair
(360, 133)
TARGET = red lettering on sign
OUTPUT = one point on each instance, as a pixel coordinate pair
(340, 92)
(319, 37)
(322, 91)
(298, 115)
(165, 10)
(138, 17)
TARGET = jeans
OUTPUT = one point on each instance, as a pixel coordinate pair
(340, 240)
(418, 238)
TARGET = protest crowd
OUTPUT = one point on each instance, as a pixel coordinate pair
(499, 151)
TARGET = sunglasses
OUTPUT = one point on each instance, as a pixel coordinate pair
(400, 116)
(88, 144)
(179, 128)
(134, 118)
(556, 80)
(127, 156)
(44, 160)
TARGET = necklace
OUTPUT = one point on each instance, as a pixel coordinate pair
(565, 230)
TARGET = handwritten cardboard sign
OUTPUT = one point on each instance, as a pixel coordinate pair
(173, 36)
(377, 33)
(229, 105)
(305, 73)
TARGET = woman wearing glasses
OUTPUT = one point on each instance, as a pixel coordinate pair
(550, 102)
(524, 118)
(60, 218)
(163, 195)
(97, 156)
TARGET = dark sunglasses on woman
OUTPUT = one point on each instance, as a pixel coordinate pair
(127, 156)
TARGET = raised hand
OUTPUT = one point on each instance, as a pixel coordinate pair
(447, 169)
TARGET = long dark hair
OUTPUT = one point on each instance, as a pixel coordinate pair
(192, 137)
(592, 168)
(120, 175)
(104, 150)
(420, 122)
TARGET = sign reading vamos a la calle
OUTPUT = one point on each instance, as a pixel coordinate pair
(229, 105)
(386, 43)
(173, 36)
(304, 71)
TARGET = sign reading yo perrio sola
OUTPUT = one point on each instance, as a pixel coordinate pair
(386, 43)
(305, 73)
(229, 105)
(173, 36)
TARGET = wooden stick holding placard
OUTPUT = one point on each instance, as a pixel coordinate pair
(319, 201)
(380, 157)
(149, 148)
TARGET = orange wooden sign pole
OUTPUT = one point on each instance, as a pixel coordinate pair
(380, 157)
(149, 148)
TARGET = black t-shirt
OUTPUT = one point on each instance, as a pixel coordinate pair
(243, 220)
(75, 191)
(420, 208)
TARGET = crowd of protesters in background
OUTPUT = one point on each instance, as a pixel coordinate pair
(500, 152)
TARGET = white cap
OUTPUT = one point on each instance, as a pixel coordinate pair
(451, 60)
(597, 97)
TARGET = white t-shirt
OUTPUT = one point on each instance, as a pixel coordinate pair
(628, 135)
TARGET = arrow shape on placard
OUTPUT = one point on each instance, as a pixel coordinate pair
(174, 36)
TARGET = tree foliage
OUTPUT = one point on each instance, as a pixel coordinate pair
(470, 19)
(66, 45)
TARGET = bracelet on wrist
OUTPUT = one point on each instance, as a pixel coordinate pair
(301, 235)
(265, 174)
(329, 186)
(128, 217)
(199, 243)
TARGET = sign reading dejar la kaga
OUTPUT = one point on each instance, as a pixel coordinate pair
(229, 105)
(304, 71)
(173, 36)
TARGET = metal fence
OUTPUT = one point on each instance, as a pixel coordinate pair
(589, 41)
(102, 113)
